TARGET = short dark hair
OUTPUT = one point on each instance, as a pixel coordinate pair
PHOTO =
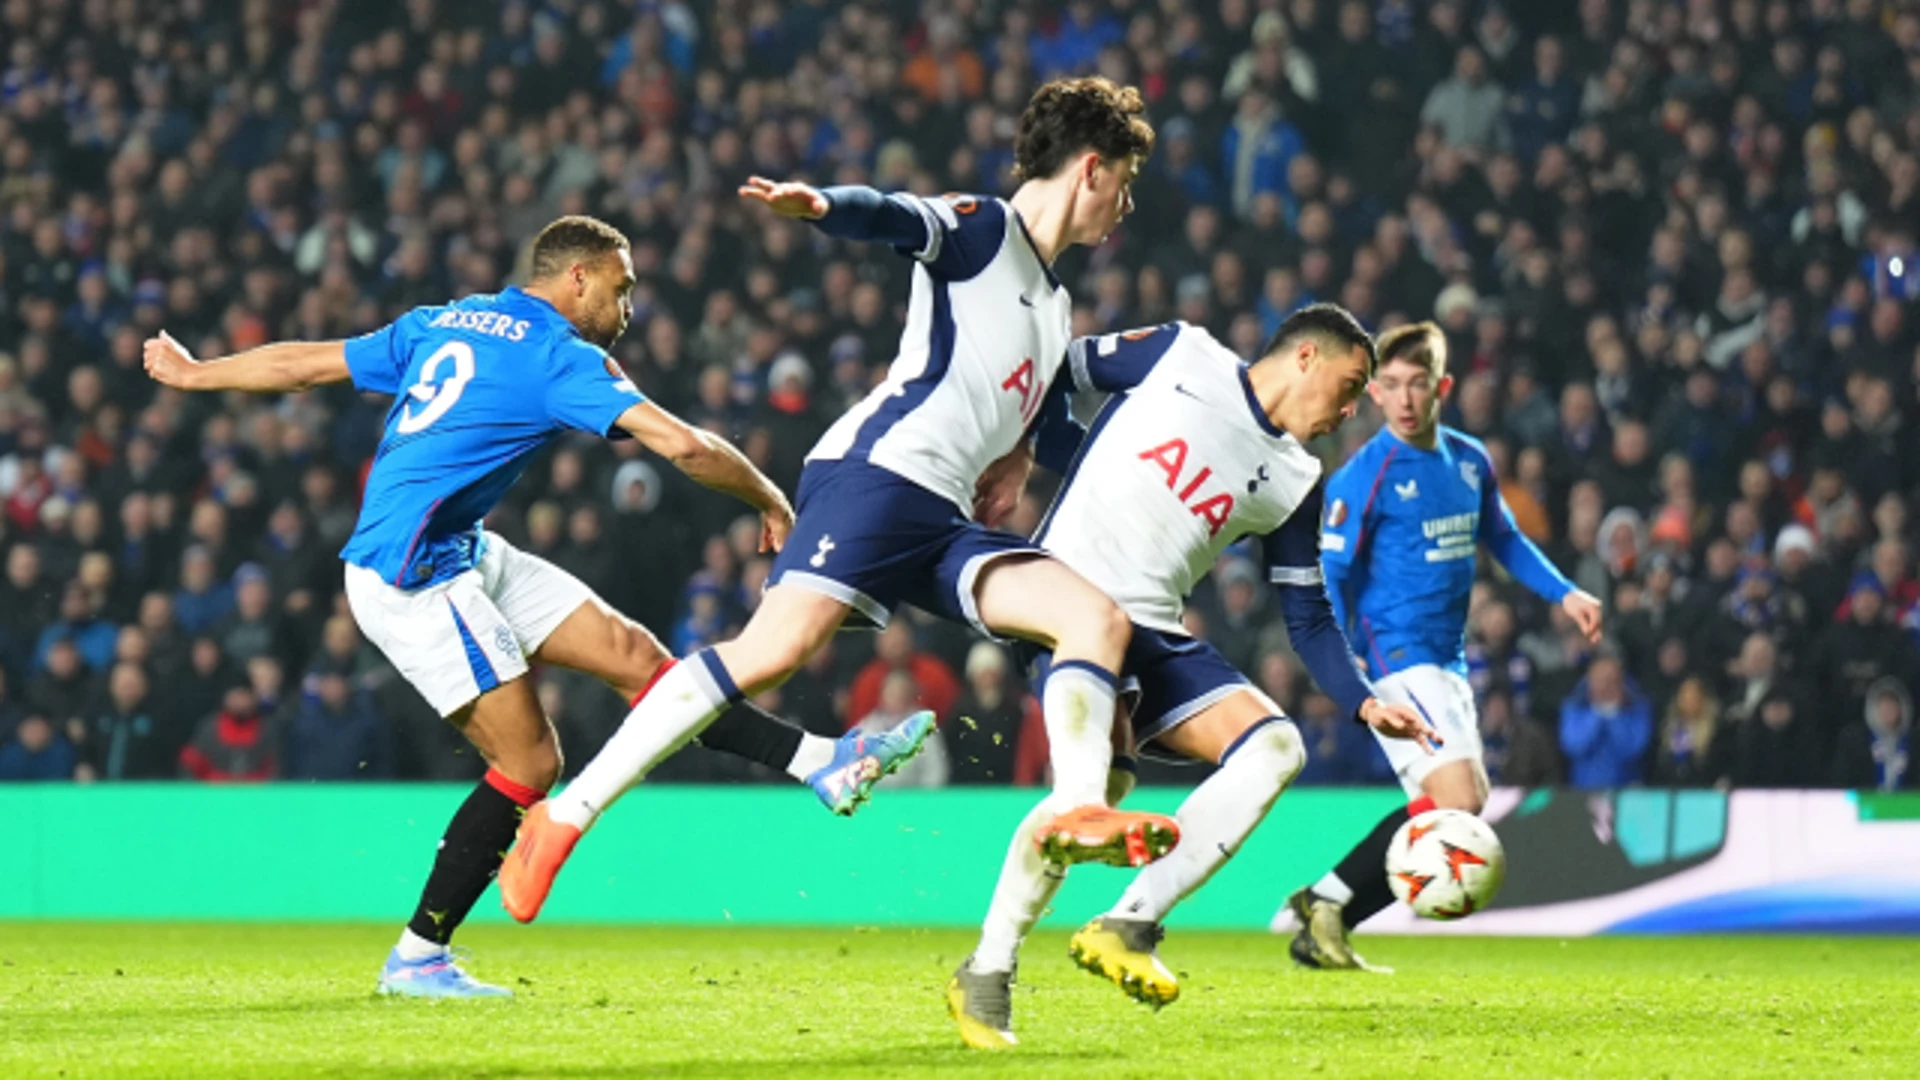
(1068, 116)
(571, 239)
(1330, 324)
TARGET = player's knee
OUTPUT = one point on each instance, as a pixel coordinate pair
(1100, 629)
(1472, 801)
(641, 654)
(1280, 747)
(1468, 796)
(536, 766)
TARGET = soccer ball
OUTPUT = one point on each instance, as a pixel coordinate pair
(1446, 864)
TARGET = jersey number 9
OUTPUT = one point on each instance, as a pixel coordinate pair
(436, 400)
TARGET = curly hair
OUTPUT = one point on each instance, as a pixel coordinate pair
(1068, 116)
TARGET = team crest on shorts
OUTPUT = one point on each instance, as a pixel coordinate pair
(1336, 514)
(503, 640)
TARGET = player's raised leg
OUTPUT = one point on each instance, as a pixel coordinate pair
(627, 656)
(1258, 752)
(790, 624)
(1038, 598)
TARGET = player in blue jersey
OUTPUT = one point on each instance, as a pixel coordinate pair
(1403, 519)
(897, 497)
(479, 386)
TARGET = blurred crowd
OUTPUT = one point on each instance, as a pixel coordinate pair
(1672, 245)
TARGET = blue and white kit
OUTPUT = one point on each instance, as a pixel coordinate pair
(479, 386)
(1398, 549)
(1179, 461)
(884, 510)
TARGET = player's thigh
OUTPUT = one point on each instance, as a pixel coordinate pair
(607, 645)
(1209, 734)
(508, 727)
(1460, 784)
(448, 640)
(1446, 701)
(1036, 597)
(790, 625)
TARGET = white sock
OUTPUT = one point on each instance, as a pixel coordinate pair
(1217, 818)
(1077, 703)
(815, 753)
(1027, 884)
(414, 948)
(680, 705)
(1333, 888)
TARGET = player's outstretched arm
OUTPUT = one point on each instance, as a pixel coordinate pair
(713, 462)
(852, 211)
(1317, 639)
(287, 366)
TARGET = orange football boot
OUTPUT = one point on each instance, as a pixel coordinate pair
(1103, 834)
(539, 851)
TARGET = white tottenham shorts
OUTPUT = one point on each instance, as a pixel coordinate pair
(456, 639)
(1446, 700)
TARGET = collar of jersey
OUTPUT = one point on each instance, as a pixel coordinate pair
(1253, 403)
(1033, 247)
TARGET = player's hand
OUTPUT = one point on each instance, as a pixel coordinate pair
(791, 200)
(168, 362)
(1584, 609)
(1397, 721)
(1000, 486)
(775, 523)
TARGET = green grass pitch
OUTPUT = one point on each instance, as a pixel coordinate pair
(257, 1000)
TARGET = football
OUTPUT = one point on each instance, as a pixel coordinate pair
(1446, 864)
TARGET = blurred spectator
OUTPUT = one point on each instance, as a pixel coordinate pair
(202, 601)
(1605, 726)
(993, 710)
(126, 738)
(37, 752)
(934, 685)
(337, 735)
(79, 623)
(233, 745)
(1518, 751)
(931, 767)
(1856, 653)
(1468, 107)
(1769, 715)
(1691, 751)
(61, 690)
(1876, 752)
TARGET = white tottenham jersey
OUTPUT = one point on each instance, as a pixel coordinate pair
(986, 327)
(1178, 462)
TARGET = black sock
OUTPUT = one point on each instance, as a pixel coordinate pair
(1365, 870)
(470, 854)
(746, 730)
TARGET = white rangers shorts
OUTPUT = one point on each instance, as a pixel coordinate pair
(1446, 700)
(456, 639)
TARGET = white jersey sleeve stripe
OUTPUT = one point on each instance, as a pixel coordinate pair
(935, 232)
(1077, 364)
(1297, 575)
